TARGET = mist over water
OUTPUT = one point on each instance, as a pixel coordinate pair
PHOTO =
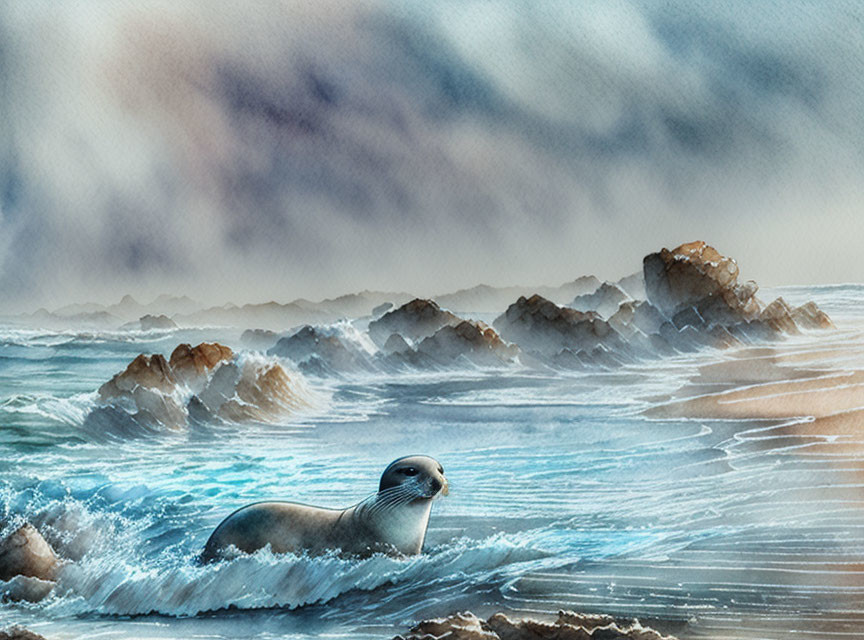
(563, 495)
(288, 149)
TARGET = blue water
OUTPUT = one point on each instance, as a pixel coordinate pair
(563, 495)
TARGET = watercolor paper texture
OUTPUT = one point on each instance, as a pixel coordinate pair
(597, 260)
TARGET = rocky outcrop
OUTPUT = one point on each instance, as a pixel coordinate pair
(254, 390)
(322, 351)
(204, 381)
(191, 364)
(147, 371)
(414, 321)
(541, 326)
(568, 626)
(635, 316)
(695, 275)
(810, 316)
(148, 322)
(468, 341)
(149, 388)
(24, 552)
(605, 300)
(696, 286)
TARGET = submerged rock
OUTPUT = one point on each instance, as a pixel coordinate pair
(413, 321)
(24, 552)
(568, 626)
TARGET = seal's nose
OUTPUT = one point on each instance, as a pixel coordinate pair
(436, 485)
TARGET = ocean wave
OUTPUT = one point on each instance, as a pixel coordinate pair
(72, 410)
(177, 586)
(43, 338)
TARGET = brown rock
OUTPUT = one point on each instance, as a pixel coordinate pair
(697, 275)
(414, 321)
(264, 392)
(25, 552)
(474, 341)
(809, 316)
(778, 316)
(697, 286)
(151, 372)
(188, 361)
(568, 626)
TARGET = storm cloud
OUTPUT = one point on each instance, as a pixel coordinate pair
(251, 151)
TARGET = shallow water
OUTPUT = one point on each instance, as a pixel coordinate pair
(562, 496)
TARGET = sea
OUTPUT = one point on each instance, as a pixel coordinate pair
(563, 495)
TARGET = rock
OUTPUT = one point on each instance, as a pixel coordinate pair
(414, 321)
(148, 388)
(261, 339)
(188, 362)
(473, 341)
(697, 275)
(319, 352)
(633, 285)
(396, 344)
(641, 315)
(696, 286)
(381, 309)
(149, 322)
(778, 316)
(541, 326)
(605, 300)
(259, 391)
(19, 633)
(155, 393)
(147, 371)
(810, 316)
(24, 552)
(568, 626)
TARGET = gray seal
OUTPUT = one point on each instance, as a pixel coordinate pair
(394, 520)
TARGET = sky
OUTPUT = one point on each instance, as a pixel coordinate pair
(249, 151)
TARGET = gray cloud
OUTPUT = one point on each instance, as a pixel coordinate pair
(313, 148)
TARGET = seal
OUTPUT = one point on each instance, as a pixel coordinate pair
(394, 520)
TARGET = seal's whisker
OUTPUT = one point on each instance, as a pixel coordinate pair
(406, 494)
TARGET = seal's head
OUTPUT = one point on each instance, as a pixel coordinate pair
(422, 476)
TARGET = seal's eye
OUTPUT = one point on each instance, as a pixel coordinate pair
(409, 471)
(440, 469)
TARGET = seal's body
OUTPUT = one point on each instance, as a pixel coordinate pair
(392, 521)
